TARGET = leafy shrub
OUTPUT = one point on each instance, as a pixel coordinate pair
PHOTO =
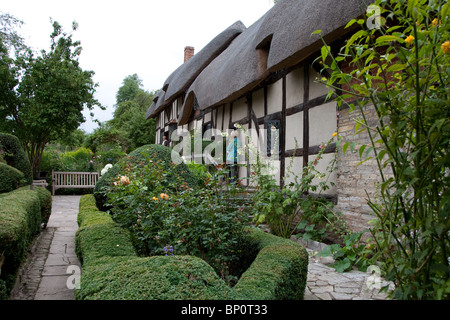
(352, 253)
(50, 160)
(200, 171)
(287, 210)
(111, 155)
(10, 178)
(279, 271)
(103, 240)
(140, 158)
(401, 69)
(20, 220)
(15, 156)
(155, 278)
(161, 210)
(81, 160)
(45, 198)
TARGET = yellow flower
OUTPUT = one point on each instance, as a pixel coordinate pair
(164, 196)
(335, 134)
(124, 180)
(435, 22)
(409, 39)
(155, 199)
(446, 47)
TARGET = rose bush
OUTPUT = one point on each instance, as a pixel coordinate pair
(162, 210)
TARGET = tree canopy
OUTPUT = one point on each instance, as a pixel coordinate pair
(43, 96)
(130, 88)
(129, 127)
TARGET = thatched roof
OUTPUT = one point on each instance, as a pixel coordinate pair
(152, 108)
(180, 80)
(280, 39)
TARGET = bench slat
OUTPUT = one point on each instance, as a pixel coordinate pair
(76, 180)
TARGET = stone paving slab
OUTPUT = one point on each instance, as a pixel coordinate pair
(325, 283)
(29, 275)
(46, 274)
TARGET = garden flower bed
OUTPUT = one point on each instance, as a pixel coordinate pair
(112, 270)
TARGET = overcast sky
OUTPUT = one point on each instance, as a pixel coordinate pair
(120, 38)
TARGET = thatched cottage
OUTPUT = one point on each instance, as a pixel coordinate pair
(264, 76)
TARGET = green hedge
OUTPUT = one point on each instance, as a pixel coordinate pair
(15, 156)
(10, 178)
(279, 271)
(45, 196)
(112, 271)
(20, 221)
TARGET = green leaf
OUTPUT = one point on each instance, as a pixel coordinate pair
(345, 147)
(326, 252)
(361, 150)
(363, 161)
(302, 224)
(342, 266)
(356, 36)
(389, 38)
(396, 67)
(382, 154)
(324, 52)
(351, 22)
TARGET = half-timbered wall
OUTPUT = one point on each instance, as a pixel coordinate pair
(296, 104)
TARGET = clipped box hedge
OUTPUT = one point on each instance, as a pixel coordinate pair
(15, 156)
(10, 178)
(21, 216)
(113, 271)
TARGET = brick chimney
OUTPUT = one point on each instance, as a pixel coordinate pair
(188, 53)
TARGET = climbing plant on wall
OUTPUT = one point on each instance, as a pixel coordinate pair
(402, 68)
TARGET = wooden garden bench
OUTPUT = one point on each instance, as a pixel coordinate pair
(40, 183)
(78, 180)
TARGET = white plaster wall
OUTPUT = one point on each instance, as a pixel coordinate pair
(199, 124)
(322, 123)
(294, 169)
(294, 88)
(240, 109)
(294, 130)
(208, 117)
(158, 134)
(316, 89)
(258, 103)
(275, 97)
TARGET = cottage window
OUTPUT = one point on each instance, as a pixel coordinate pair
(273, 136)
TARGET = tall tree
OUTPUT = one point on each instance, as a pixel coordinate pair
(131, 86)
(51, 95)
(13, 57)
(129, 128)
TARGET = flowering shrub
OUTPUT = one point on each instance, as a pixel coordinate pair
(289, 208)
(163, 211)
(106, 168)
(80, 160)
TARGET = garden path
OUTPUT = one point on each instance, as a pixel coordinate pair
(51, 266)
(324, 283)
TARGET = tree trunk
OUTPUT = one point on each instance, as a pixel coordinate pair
(34, 151)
